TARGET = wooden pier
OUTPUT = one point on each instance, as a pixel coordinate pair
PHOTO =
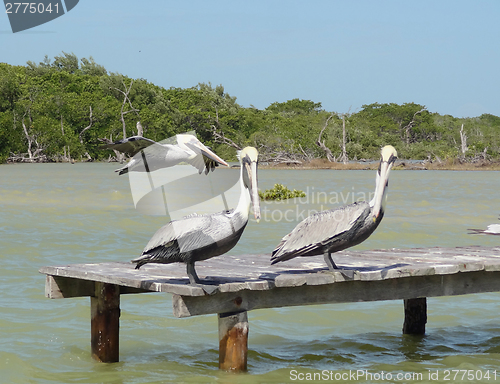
(234, 285)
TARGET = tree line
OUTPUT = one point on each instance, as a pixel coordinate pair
(58, 109)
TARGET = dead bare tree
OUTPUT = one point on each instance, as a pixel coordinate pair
(343, 157)
(65, 156)
(87, 127)
(89, 158)
(268, 154)
(278, 158)
(322, 145)
(279, 153)
(407, 128)
(29, 137)
(125, 99)
(120, 156)
(35, 149)
(438, 159)
(463, 142)
(218, 134)
(219, 137)
(307, 156)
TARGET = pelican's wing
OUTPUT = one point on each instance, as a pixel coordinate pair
(203, 163)
(191, 232)
(205, 158)
(130, 145)
(198, 162)
(318, 230)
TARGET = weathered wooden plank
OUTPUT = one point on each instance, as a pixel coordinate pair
(408, 271)
(252, 272)
(105, 322)
(324, 278)
(446, 269)
(233, 341)
(492, 267)
(257, 285)
(58, 287)
(349, 291)
(415, 316)
(124, 274)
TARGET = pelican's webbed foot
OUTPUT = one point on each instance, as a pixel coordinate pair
(348, 274)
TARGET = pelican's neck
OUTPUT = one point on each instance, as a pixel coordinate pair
(244, 202)
(379, 200)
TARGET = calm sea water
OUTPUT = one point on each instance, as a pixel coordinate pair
(55, 214)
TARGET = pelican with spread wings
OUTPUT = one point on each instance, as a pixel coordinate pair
(148, 155)
(331, 231)
(201, 237)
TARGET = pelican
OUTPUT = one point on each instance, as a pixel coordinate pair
(492, 229)
(188, 149)
(331, 231)
(201, 237)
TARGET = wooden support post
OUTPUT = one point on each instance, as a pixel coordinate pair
(233, 341)
(415, 316)
(105, 322)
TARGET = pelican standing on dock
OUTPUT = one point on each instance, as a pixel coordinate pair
(331, 231)
(156, 156)
(201, 237)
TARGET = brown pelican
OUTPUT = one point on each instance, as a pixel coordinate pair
(334, 230)
(201, 237)
(188, 149)
(492, 229)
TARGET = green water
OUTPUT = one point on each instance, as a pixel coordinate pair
(55, 214)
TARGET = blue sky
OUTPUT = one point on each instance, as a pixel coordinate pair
(443, 54)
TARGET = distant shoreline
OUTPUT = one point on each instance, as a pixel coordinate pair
(407, 165)
(399, 165)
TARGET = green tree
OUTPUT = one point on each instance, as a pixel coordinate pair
(58, 109)
(295, 106)
(67, 62)
(90, 67)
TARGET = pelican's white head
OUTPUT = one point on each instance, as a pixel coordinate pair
(388, 156)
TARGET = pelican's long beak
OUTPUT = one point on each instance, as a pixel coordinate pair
(389, 156)
(198, 147)
(248, 159)
(382, 180)
(254, 190)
